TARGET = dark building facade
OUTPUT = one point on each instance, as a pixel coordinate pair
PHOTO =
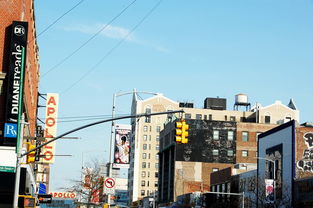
(185, 168)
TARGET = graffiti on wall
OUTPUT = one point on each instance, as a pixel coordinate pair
(306, 163)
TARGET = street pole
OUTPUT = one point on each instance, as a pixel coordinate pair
(111, 158)
(18, 163)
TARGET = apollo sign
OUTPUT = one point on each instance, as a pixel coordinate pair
(50, 127)
(70, 195)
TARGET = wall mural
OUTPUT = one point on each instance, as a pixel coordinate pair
(306, 163)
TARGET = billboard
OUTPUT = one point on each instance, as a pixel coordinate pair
(122, 146)
(15, 75)
(50, 127)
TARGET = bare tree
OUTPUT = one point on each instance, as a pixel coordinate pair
(256, 195)
(90, 187)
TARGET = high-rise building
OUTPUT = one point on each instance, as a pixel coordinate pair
(143, 171)
(19, 77)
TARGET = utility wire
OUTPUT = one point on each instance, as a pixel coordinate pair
(55, 21)
(91, 38)
(113, 48)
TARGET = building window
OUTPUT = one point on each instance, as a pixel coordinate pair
(144, 156)
(145, 128)
(157, 157)
(225, 118)
(230, 135)
(215, 152)
(230, 153)
(210, 117)
(157, 147)
(142, 192)
(145, 137)
(198, 116)
(144, 165)
(149, 156)
(215, 134)
(155, 183)
(143, 174)
(148, 191)
(148, 118)
(158, 128)
(144, 146)
(156, 174)
(245, 136)
(148, 165)
(205, 117)
(187, 116)
(232, 118)
(149, 146)
(156, 165)
(215, 169)
(244, 153)
(267, 119)
(143, 183)
(157, 138)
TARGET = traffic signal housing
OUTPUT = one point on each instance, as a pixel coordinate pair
(31, 155)
(182, 132)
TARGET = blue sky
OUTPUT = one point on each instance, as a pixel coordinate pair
(187, 50)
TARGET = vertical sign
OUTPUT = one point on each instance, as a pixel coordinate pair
(14, 100)
(50, 127)
(122, 146)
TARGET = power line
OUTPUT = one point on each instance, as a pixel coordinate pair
(113, 48)
(91, 38)
(55, 21)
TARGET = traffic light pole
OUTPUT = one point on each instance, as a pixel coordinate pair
(18, 164)
(21, 155)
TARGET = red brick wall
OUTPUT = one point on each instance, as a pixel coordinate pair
(207, 169)
(300, 147)
(251, 144)
(20, 10)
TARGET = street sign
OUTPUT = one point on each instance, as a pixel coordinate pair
(109, 186)
(109, 183)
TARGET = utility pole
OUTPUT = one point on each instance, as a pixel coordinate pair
(18, 163)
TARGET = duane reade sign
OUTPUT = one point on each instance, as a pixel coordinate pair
(50, 127)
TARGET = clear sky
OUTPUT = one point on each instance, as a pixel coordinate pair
(186, 49)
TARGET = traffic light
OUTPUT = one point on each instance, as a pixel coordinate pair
(31, 155)
(182, 132)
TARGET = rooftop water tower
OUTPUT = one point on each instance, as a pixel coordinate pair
(241, 100)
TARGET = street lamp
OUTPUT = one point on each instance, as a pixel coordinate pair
(111, 160)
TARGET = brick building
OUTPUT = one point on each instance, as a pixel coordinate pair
(11, 37)
(218, 139)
